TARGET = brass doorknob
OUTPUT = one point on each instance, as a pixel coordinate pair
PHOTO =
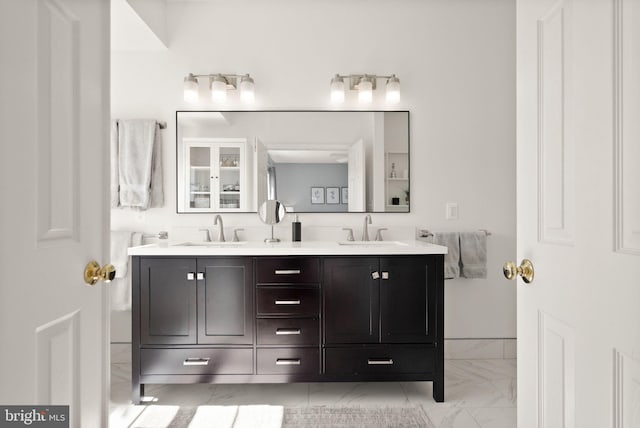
(525, 270)
(94, 273)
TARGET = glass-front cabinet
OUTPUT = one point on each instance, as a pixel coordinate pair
(215, 175)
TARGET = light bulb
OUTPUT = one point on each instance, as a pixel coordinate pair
(365, 90)
(337, 90)
(247, 89)
(393, 90)
(218, 89)
(191, 89)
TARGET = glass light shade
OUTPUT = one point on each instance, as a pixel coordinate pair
(365, 91)
(393, 90)
(337, 90)
(191, 94)
(218, 89)
(247, 89)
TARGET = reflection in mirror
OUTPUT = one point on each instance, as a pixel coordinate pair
(272, 212)
(311, 161)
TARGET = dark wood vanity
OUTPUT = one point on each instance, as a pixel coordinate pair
(281, 319)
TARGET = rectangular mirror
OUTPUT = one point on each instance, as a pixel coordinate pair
(311, 161)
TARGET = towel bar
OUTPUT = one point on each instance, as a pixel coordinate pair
(425, 233)
(160, 235)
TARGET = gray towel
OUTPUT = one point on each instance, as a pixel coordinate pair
(473, 254)
(157, 192)
(139, 164)
(451, 240)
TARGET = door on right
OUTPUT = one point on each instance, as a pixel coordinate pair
(578, 184)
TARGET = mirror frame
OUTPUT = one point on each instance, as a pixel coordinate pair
(177, 148)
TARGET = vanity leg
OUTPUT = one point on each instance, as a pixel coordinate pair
(438, 390)
(137, 393)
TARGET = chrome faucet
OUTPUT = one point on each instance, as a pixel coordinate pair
(365, 228)
(218, 222)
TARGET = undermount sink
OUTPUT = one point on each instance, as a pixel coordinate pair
(211, 244)
(372, 243)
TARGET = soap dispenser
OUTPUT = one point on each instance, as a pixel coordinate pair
(296, 230)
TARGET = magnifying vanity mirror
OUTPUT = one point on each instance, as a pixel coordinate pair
(272, 212)
(310, 161)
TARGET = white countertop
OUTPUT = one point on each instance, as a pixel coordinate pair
(307, 248)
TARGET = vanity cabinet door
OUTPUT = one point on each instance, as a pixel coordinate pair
(167, 301)
(351, 300)
(407, 311)
(225, 300)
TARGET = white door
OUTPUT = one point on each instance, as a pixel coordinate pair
(54, 127)
(578, 145)
(355, 177)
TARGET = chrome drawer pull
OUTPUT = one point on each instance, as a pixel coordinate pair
(287, 331)
(288, 271)
(288, 362)
(196, 362)
(287, 302)
(388, 362)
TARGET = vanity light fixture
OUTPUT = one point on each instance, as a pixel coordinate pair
(365, 84)
(219, 85)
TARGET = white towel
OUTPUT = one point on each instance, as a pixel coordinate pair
(451, 240)
(138, 147)
(120, 287)
(120, 242)
(473, 254)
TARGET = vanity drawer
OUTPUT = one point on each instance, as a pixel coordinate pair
(379, 360)
(288, 360)
(288, 270)
(196, 361)
(288, 301)
(288, 331)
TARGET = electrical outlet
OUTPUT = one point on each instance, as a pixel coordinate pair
(452, 211)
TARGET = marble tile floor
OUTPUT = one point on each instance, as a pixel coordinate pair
(478, 394)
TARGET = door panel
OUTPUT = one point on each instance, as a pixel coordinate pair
(168, 301)
(555, 145)
(351, 300)
(404, 303)
(627, 127)
(225, 301)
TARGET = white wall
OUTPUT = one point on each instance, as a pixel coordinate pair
(456, 63)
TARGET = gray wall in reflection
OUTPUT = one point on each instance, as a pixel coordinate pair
(294, 182)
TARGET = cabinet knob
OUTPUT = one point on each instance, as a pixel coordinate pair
(375, 275)
(385, 275)
(200, 276)
(191, 276)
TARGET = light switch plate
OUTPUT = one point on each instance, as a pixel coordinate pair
(452, 211)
